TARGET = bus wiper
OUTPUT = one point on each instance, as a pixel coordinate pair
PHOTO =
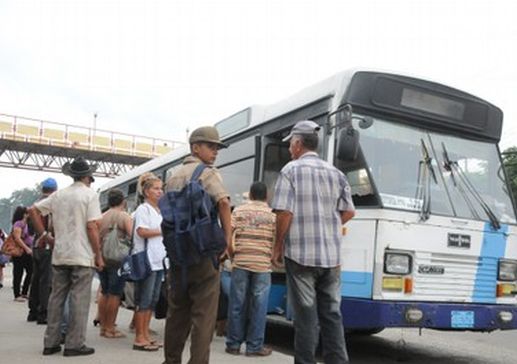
(425, 175)
(454, 168)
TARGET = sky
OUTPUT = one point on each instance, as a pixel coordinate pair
(158, 68)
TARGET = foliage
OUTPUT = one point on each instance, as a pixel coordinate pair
(510, 164)
(23, 197)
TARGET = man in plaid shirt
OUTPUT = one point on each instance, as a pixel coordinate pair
(312, 201)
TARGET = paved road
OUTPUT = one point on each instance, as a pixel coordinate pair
(407, 346)
(21, 342)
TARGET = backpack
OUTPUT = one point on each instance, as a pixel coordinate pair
(190, 226)
(115, 249)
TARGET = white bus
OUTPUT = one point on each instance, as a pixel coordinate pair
(433, 243)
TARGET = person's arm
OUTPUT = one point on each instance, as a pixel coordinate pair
(147, 233)
(92, 230)
(346, 216)
(128, 226)
(225, 215)
(283, 222)
(17, 236)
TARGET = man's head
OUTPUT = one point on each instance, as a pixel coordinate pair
(115, 197)
(80, 170)
(205, 143)
(258, 191)
(303, 138)
(48, 186)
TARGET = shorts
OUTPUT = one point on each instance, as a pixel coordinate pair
(111, 283)
(147, 291)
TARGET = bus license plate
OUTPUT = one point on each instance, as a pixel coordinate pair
(462, 319)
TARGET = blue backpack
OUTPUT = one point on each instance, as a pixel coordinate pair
(190, 224)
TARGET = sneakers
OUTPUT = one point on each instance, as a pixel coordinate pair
(265, 351)
(83, 350)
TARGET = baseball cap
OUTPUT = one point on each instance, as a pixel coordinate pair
(49, 183)
(304, 127)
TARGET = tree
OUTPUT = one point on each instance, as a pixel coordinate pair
(23, 197)
(510, 165)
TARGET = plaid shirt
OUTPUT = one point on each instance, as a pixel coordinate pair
(314, 192)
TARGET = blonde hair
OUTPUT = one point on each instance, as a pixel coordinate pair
(145, 181)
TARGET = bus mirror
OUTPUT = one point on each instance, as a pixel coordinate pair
(365, 122)
(348, 144)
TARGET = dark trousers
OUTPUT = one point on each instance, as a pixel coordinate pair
(20, 264)
(192, 310)
(41, 281)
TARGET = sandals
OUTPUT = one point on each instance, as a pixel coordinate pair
(115, 334)
(157, 343)
(145, 347)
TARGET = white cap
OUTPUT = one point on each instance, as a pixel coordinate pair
(305, 127)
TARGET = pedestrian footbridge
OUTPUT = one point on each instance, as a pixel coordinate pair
(45, 145)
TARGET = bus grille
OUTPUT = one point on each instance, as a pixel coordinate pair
(463, 277)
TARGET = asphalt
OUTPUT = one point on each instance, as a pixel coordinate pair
(22, 341)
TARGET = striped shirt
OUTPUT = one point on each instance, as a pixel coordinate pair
(254, 225)
(315, 192)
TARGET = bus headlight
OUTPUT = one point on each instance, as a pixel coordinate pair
(507, 270)
(397, 263)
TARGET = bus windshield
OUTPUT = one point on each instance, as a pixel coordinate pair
(395, 161)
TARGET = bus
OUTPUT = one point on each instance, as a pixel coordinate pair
(433, 244)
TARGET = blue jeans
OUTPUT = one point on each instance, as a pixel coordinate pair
(147, 291)
(315, 295)
(247, 309)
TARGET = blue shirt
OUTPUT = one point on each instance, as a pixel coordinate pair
(315, 192)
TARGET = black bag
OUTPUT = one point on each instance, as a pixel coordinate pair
(160, 311)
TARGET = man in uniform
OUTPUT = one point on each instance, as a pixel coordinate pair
(193, 309)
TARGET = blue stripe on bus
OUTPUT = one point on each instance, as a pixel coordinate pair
(493, 248)
(356, 284)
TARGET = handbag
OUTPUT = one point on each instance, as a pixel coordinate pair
(135, 267)
(115, 249)
(11, 248)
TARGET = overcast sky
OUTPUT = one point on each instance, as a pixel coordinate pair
(157, 68)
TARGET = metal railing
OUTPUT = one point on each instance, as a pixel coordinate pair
(52, 133)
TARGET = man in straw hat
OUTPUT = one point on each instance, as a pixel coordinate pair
(76, 254)
(194, 309)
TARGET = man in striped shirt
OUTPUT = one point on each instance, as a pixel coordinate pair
(312, 201)
(254, 227)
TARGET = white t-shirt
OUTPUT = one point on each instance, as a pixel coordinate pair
(147, 217)
(72, 208)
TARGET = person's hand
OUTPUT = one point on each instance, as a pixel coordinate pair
(278, 258)
(99, 262)
(28, 251)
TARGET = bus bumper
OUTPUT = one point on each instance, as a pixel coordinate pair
(367, 314)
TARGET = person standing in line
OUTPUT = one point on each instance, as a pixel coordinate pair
(148, 221)
(75, 211)
(112, 285)
(254, 226)
(193, 309)
(312, 200)
(4, 259)
(22, 263)
(42, 265)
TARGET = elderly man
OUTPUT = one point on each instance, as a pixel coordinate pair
(75, 210)
(312, 200)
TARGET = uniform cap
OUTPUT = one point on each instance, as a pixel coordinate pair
(207, 134)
